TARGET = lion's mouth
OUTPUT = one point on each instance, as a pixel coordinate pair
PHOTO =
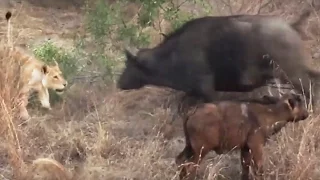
(59, 90)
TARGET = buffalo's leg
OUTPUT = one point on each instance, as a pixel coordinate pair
(206, 88)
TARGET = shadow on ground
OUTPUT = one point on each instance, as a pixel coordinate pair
(56, 4)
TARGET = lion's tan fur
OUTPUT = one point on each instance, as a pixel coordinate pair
(35, 75)
(47, 168)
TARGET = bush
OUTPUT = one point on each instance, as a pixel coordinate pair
(150, 10)
(100, 19)
(177, 17)
(133, 35)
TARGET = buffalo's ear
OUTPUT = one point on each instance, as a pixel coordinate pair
(130, 56)
(133, 59)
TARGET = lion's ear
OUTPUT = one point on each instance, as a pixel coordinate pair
(45, 69)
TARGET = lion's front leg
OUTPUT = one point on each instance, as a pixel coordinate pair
(24, 94)
(43, 95)
(24, 114)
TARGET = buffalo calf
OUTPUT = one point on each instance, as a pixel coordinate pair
(230, 125)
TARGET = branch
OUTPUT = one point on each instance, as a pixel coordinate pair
(264, 5)
(178, 7)
(164, 35)
(160, 29)
(90, 78)
(241, 7)
(228, 4)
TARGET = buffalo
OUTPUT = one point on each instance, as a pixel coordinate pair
(236, 53)
(230, 125)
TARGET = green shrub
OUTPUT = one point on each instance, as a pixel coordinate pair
(105, 65)
(149, 11)
(105, 23)
(110, 33)
(179, 18)
(101, 18)
(133, 35)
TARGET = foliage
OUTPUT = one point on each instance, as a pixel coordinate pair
(177, 17)
(100, 19)
(149, 11)
(133, 35)
(106, 24)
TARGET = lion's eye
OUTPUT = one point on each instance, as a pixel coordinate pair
(56, 77)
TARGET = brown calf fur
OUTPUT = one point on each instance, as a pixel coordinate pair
(228, 125)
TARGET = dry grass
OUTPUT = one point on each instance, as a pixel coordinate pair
(100, 133)
(125, 135)
(9, 81)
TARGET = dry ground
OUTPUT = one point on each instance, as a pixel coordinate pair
(101, 133)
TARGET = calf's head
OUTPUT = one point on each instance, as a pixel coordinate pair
(135, 75)
(296, 106)
(270, 99)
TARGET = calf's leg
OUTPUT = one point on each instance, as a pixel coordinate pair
(255, 145)
(245, 162)
(186, 154)
(189, 170)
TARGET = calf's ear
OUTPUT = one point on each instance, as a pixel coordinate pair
(291, 103)
(269, 99)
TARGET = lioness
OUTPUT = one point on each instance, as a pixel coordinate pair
(35, 75)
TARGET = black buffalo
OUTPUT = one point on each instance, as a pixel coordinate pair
(222, 53)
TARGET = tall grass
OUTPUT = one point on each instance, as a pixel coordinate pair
(9, 99)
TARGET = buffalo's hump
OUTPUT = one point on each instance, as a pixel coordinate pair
(223, 53)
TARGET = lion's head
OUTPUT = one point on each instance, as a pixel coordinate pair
(53, 78)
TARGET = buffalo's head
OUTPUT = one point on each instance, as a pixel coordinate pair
(135, 74)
